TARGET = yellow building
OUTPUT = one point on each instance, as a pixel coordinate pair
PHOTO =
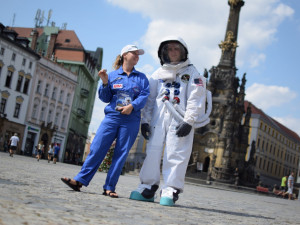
(277, 148)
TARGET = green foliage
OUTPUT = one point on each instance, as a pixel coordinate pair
(104, 167)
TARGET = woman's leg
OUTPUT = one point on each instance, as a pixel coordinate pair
(104, 137)
(126, 136)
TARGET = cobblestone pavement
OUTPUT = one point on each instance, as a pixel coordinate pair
(31, 192)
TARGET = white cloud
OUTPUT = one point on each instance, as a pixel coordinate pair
(255, 60)
(290, 122)
(265, 97)
(202, 25)
(146, 69)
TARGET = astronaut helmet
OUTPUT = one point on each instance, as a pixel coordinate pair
(168, 48)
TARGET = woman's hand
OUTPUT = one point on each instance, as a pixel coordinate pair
(126, 109)
(103, 75)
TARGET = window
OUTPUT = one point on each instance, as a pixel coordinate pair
(30, 65)
(46, 90)
(42, 113)
(0, 70)
(13, 57)
(63, 122)
(2, 105)
(8, 78)
(56, 119)
(68, 99)
(24, 62)
(38, 88)
(49, 116)
(2, 51)
(19, 83)
(26, 85)
(61, 96)
(34, 111)
(54, 93)
(17, 110)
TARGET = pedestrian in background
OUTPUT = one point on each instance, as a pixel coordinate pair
(50, 152)
(13, 143)
(291, 185)
(56, 152)
(126, 90)
(40, 150)
(284, 183)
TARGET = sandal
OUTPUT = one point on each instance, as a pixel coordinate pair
(111, 194)
(75, 187)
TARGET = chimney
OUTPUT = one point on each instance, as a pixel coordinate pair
(34, 34)
(51, 45)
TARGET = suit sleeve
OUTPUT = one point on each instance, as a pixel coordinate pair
(196, 97)
(148, 110)
(141, 100)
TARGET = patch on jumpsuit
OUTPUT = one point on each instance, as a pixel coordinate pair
(198, 82)
(185, 78)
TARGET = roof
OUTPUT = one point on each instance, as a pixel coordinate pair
(68, 39)
(279, 126)
(67, 46)
(26, 32)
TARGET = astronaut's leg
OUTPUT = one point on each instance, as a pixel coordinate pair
(150, 171)
(176, 157)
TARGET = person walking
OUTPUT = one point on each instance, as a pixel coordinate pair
(284, 183)
(50, 152)
(126, 90)
(175, 88)
(56, 152)
(291, 185)
(40, 150)
(13, 143)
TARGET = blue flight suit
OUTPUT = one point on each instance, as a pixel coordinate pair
(121, 89)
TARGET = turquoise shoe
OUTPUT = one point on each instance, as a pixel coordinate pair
(135, 195)
(166, 201)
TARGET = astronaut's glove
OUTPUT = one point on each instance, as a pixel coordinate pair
(145, 128)
(183, 129)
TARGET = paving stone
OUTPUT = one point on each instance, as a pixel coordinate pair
(31, 192)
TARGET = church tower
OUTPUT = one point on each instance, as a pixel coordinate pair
(220, 147)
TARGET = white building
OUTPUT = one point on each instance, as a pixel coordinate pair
(17, 67)
(50, 104)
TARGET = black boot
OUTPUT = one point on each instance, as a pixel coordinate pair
(149, 193)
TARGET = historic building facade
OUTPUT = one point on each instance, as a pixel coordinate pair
(274, 149)
(49, 106)
(64, 47)
(17, 68)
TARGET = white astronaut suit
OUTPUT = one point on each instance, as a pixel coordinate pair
(175, 103)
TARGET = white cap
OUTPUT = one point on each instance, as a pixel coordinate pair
(131, 48)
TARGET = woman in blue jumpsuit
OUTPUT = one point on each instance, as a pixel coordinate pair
(126, 90)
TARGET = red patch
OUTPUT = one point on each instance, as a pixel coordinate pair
(117, 86)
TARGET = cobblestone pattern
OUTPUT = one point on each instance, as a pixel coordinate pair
(31, 192)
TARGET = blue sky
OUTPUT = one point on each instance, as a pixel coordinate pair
(269, 34)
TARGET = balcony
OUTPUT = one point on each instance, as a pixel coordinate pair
(84, 92)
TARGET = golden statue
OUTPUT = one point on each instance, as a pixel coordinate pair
(233, 2)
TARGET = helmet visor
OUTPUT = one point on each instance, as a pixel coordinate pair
(172, 53)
